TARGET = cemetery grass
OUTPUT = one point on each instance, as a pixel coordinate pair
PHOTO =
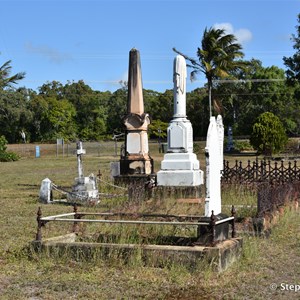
(25, 275)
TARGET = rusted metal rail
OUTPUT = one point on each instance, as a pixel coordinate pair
(77, 217)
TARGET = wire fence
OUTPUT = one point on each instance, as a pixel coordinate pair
(271, 196)
(107, 148)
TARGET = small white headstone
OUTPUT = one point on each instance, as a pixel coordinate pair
(45, 191)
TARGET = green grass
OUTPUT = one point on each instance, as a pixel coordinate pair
(26, 275)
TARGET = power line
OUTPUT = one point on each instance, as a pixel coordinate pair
(246, 80)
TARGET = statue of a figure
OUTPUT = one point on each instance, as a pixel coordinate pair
(179, 79)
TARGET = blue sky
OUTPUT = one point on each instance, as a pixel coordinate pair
(68, 40)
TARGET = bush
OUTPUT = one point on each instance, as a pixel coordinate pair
(268, 134)
(6, 155)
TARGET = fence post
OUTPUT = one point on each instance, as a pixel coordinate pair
(295, 170)
(282, 172)
(233, 212)
(213, 227)
(76, 216)
(38, 236)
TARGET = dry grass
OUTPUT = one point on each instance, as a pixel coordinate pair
(24, 275)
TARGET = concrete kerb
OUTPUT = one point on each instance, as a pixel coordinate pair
(219, 257)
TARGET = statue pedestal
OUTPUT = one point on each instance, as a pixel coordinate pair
(180, 169)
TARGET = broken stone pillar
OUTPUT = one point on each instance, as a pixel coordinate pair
(180, 167)
(136, 160)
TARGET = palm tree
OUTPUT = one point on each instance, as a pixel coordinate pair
(5, 79)
(217, 58)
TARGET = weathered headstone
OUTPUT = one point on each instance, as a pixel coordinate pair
(46, 191)
(214, 165)
(180, 166)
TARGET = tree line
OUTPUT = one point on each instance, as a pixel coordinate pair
(75, 111)
(240, 90)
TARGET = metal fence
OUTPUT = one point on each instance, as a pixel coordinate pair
(272, 196)
(261, 171)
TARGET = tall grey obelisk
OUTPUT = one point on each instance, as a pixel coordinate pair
(180, 166)
(136, 159)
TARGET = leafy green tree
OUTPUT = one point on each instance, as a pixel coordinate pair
(151, 103)
(158, 129)
(163, 107)
(197, 111)
(258, 89)
(218, 57)
(268, 134)
(52, 89)
(52, 119)
(14, 114)
(293, 62)
(272, 94)
(91, 109)
(117, 109)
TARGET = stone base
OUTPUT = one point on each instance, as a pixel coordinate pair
(139, 186)
(179, 178)
(180, 161)
(178, 192)
(136, 166)
(219, 257)
(84, 190)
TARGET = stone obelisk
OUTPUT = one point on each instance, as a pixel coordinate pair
(180, 167)
(136, 160)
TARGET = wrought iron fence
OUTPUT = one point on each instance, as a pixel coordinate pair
(272, 196)
(261, 171)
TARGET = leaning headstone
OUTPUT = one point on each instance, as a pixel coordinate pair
(180, 167)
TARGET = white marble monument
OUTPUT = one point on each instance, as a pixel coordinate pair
(214, 165)
(180, 166)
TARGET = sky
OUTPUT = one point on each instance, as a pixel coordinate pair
(90, 40)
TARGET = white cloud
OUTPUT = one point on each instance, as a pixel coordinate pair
(53, 55)
(243, 35)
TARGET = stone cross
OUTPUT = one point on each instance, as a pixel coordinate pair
(79, 153)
